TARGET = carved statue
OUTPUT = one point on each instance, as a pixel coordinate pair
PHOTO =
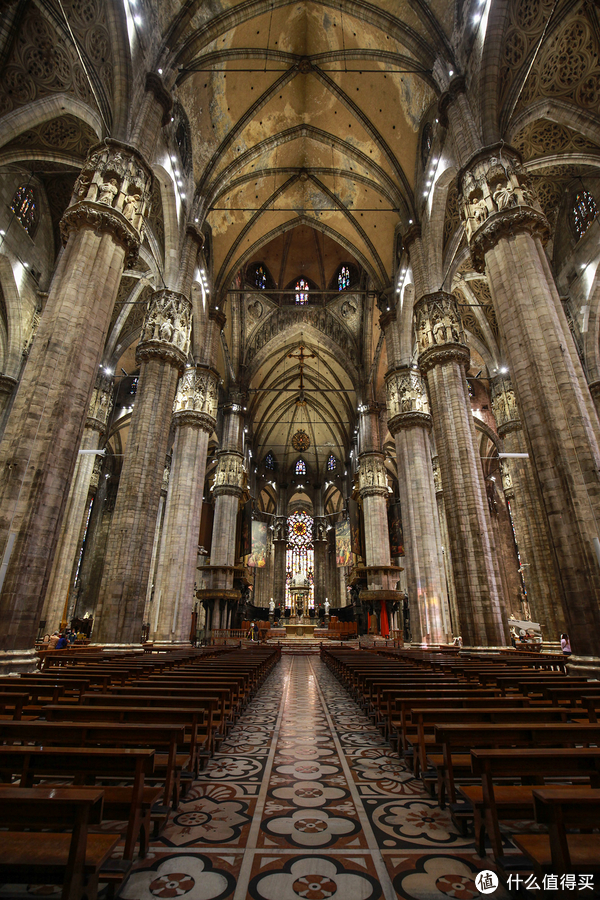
(131, 206)
(166, 330)
(479, 211)
(108, 190)
(504, 196)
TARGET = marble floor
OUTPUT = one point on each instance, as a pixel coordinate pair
(306, 800)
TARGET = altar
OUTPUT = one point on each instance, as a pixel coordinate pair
(300, 630)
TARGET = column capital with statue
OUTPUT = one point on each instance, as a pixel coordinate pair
(196, 398)
(504, 405)
(497, 199)
(439, 330)
(112, 193)
(166, 330)
(407, 401)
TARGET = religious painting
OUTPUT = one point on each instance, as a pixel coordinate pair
(206, 527)
(354, 514)
(343, 548)
(258, 556)
(246, 534)
(395, 529)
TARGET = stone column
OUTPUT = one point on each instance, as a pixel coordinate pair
(506, 229)
(151, 610)
(454, 623)
(280, 545)
(409, 422)
(528, 515)
(320, 546)
(194, 419)
(161, 353)
(381, 576)
(7, 389)
(228, 489)
(444, 358)
(102, 231)
(69, 543)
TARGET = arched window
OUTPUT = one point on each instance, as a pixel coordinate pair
(260, 277)
(302, 291)
(331, 463)
(344, 278)
(25, 208)
(584, 212)
(269, 460)
(300, 554)
(300, 467)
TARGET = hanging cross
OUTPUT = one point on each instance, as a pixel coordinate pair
(301, 356)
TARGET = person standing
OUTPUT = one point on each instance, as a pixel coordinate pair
(565, 644)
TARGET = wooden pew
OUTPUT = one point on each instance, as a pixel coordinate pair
(12, 703)
(190, 719)
(165, 738)
(458, 741)
(73, 860)
(511, 715)
(558, 852)
(405, 728)
(132, 804)
(492, 802)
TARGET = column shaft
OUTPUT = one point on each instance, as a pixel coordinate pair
(45, 427)
(195, 411)
(444, 356)
(161, 353)
(506, 228)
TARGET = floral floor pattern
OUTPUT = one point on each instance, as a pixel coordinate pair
(306, 800)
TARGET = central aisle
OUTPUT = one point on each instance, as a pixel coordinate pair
(307, 800)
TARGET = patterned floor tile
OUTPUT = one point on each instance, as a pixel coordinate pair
(314, 877)
(306, 799)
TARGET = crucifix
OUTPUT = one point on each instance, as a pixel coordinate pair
(301, 356)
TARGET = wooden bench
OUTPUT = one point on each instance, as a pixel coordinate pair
(12, 703)
(167, 764)
(457, 742)
(527, 766)
(132, 804)
(404, 728)
(429, 718)
(192, 719)
(557, 852)
(73, 860)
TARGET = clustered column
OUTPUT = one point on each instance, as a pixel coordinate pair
(320, 546)
(409, 422)
(230, 482)
(528, 515)
(102, 231)
(194, 418)
(444, 358)
(161, 354)
(280, 542)
(69, 543)
(381, 576)
(506, 229)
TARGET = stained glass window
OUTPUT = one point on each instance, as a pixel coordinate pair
(300, 554)
(300, 467)
(344, 278)
(302, 291)
(260, 278)
(25, 208)
(331, 463)
(269, 461)
(584, 212)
